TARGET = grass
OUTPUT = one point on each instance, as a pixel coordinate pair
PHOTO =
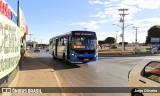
(118, 51)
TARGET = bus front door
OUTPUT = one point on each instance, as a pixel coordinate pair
(56, 47)
(68, 48)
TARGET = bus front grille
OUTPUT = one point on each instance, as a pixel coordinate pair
(85, 51)
(83, 58)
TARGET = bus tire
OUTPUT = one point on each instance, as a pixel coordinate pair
(64, 59)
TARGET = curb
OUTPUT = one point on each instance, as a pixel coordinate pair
(12, 84)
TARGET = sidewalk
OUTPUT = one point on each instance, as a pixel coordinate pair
(36, 74)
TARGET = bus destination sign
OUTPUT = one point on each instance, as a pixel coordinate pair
(83, 34)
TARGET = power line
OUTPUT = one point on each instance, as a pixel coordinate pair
(122, 20)
(135, 28)
(30, 39)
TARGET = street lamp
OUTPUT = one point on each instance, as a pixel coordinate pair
(122, 21)
(85, 29)
(135, 28)
(118, 25)
(123, 27)
(34, 44)
(30, 39)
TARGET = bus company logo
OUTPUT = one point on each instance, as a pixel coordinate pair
(21, 90)
(6, 90)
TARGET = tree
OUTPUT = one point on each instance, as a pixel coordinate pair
(110, 41)
(100, 43)
(125, 43)
(154, 31)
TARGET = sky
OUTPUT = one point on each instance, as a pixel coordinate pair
(49, 18)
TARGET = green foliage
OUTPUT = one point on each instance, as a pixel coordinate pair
(154, 31)
(110, 40)
(101, 42)
(125, 43)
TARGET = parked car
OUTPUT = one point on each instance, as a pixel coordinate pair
(113, 47)
(145, 74)
(36, 50)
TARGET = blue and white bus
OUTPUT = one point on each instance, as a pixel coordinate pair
(75, 47)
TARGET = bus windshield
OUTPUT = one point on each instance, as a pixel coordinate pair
(85, 43)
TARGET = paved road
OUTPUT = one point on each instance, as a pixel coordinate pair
(106, 72)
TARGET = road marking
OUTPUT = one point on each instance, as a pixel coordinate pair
(58, 82)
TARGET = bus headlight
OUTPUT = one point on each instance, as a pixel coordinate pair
(74, 55)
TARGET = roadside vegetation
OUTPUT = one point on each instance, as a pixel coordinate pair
(118, 51)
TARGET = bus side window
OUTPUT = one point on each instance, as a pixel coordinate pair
(62, 41)
(59, 41)
(65, 41)
(50, 44)
(54, 41)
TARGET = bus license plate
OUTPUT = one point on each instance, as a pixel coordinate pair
(86, 59)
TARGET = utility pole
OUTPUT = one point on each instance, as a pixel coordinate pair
(135, 28)
(41, 43)
(18, 23)
(30, 39)
(34, 44)
(85, 29)
(122, 20)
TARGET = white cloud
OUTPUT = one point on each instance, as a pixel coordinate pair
(90, 24)
(109, 11)
(145, 4)
(111, 7)
(103, 35)
(145, 24)
(95, 2)
(100, 14)
(143, 27)
(99, 2)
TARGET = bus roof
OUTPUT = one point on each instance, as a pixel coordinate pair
(68, 33)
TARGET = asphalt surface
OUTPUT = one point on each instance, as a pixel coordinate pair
(106, 72)
(35, 74)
